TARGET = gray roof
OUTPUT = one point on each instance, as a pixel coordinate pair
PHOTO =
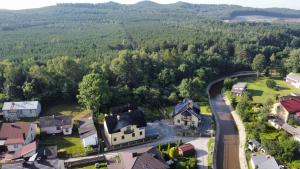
(293, 76)
(264, 162)
(87, 128)
(55, 121)
(255, 142)
(26, 105)
(240, 85)
(187, 108)
(43, 164)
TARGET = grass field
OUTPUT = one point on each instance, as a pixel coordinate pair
(260, 92)
(69, 144)
(66, 109)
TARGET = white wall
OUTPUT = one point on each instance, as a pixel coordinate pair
(193, 121)
(91, 140)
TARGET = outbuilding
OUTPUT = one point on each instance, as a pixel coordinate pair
(186, 150)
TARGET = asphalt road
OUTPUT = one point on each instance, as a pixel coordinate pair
(228, 146)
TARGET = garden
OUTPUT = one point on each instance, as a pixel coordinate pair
(170, 153)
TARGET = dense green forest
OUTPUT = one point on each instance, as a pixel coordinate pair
(145, 53)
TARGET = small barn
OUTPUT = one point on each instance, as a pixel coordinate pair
(186, 150)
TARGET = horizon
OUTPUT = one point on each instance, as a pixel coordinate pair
(30, 4)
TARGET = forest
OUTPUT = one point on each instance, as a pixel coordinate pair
(149, 54)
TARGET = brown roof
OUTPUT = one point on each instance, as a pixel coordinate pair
(144, 158)
(55, 121)
(186, 147)
(14, 132)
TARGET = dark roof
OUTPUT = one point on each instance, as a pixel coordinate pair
(143, 158)
(55, 121)
(43, 164)
(292, 105)
(123, 108)
(48, 152)
(187, 107)
(115, 122)
(86, 128)
(14, 132)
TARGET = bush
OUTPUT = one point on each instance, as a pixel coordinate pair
(228, 83)
(173, 152)
(271, 84)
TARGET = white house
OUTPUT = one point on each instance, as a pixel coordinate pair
(126, 126)
(88, 133)
(13, 111)
(56, 124)
(293, 79)
(239, 88)
(15, 135)
(261, 161)
(187, 114)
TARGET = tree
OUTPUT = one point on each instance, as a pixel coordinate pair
(229, 82)
(259, 63)
(28, 90)
(191, 88)
(271, 83)
(292, 62)
(93, 92)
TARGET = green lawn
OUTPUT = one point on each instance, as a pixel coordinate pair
(70, 144)
(66, 109)
(210, 144)
(260, 92)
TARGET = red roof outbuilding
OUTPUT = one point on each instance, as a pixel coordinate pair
(292, 105)
(186, 150)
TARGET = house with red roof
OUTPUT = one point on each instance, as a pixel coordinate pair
(14, 136)
(287, 107)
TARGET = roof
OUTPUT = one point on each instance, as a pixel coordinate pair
(294, 76)
(144, 158)
(255, 142)
(26, 149)
(290, 129)
(186, 147)
(48, 152)
(26, 105)
(292, 105)
(115, 122)
(87, 128)
(264, 162)
(240, 85)
(14, 133)
(43, 164)
(55, 121)
(187, 108)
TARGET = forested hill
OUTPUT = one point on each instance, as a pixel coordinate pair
(146, 53)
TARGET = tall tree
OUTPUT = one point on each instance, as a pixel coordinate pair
(259, 63)
(93, 92)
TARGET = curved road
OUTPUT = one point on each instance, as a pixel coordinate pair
(228, 146)
(226, 153)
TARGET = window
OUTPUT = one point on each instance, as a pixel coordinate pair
(67, 130)
(123, 137)
(115, 139)
(178, 121)
(57, 128)
(141, 133)
(133, 134)
(15, 145)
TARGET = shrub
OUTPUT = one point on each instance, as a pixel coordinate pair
(271, 84)
(173, 152)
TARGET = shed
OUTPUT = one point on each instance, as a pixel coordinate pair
(186, 150)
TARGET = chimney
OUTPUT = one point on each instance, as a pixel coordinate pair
(129, 110)
(118, 117)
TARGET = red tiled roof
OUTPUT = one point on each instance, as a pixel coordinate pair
(292, 105)
(13, 132)
(14, 141)
(186, 147)
(28, 148)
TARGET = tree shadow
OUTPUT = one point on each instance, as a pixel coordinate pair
(254, 92)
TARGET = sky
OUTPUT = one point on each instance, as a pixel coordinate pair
(26, 4)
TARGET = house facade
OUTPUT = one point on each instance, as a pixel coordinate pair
(56, 124)
(124, 127)
(293, 79)
(13, 111)
(239, 88)
(15, 135)
(88, 133)
(187, 114)
(286, 108)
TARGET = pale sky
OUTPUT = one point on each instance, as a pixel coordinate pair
(25, 4)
